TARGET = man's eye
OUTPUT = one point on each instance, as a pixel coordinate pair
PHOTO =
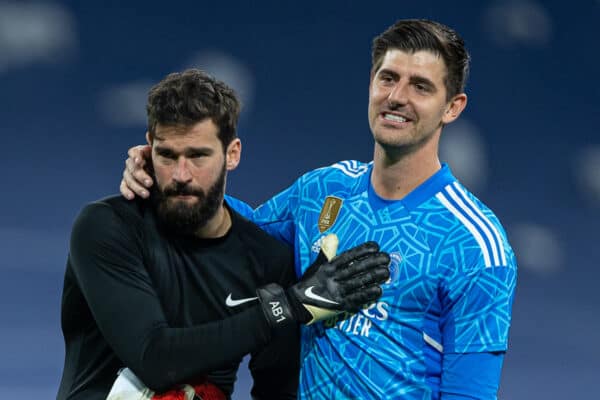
(386, 80)
(169, 156)
(421, 87)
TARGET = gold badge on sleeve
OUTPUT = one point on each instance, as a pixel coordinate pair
(329, 212)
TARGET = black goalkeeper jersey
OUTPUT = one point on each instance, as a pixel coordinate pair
(171, 308)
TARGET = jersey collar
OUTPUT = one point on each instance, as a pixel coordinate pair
(418, 196)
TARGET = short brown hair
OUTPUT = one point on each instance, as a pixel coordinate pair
(413, 35)
(191, 96)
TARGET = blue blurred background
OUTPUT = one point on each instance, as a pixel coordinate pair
(73, 83)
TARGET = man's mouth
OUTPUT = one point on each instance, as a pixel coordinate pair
(182, 196)
(394, 117)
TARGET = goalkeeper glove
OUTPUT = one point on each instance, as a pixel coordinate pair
(330, 285)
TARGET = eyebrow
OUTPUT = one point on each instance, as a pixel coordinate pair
(393, 74)
(187, 151)
(413, 78)
(421, 79)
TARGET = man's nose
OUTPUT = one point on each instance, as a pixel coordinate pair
(399, 94)
(181, 173)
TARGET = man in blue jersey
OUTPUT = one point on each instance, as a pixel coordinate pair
(440, 330)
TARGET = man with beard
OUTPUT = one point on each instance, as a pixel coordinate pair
(440, 330)
(178, 288)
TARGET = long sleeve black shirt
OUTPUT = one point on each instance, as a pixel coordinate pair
(136, 296)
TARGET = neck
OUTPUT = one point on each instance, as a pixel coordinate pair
(217, 226)
(396, 173)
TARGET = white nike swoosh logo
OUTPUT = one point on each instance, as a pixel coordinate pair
(234, 303)
(309, 293)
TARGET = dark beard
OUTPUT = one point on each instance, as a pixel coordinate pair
(181, 218)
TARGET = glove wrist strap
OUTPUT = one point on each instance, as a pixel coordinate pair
(275, 305)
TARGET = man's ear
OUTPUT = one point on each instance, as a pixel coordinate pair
(454, 108)
(233, 154)
(149, 138)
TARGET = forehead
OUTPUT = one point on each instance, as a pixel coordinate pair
(419, 63)
(203, 133)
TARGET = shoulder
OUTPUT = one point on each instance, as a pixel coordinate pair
(468, 223)
(107, 217)
(345, 169)
(114, 205)
(345, 176)
(257, 239)
(105, 232)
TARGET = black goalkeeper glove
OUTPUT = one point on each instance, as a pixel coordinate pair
(330, 285)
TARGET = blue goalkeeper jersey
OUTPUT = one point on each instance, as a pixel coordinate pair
(453, 275)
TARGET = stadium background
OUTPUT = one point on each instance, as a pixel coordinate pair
(74, 76)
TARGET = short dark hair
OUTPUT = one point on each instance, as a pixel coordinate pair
(411, 35)
(188, 97)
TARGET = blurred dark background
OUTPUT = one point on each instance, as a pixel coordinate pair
(73, 83)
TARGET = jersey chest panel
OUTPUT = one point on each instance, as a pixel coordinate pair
(392, 328)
